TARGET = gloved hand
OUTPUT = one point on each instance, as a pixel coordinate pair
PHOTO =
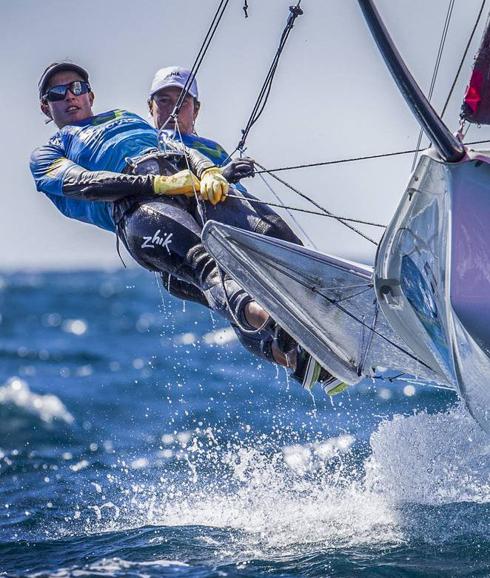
(182, 183)
(238, 169)
(214, 186)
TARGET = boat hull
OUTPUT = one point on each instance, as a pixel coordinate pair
(432, 274)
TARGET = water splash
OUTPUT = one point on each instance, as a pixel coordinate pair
(295, 497)
(430, 459)
(306, 496)
(277, 508)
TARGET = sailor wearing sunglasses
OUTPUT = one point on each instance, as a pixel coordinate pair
(84, 171)
(61, 102)
(72, 168)
(105, 169)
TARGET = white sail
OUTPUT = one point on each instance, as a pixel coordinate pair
(327, 304)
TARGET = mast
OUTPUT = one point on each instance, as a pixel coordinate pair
(448, 146)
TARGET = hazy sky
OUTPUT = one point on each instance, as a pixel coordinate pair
(332, 98)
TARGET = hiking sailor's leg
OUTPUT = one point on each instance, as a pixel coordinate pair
(263, 344)
(182, 289)
(163, 236)
(248, 214)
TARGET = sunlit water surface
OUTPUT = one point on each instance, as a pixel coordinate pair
(138, 439)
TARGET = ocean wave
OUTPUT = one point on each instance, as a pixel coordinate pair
(54, 356)
(26, 416)
(48, 408)
(116, 567)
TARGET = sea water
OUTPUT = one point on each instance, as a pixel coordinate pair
(138, 438)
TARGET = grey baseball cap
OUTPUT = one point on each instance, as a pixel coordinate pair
(59, 67)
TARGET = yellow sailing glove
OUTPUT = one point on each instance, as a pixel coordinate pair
(214, 186)
(182, 183)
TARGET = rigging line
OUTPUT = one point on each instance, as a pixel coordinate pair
(365, 345)
(260, 103)
(412, 381)
(201, 205)
(201, 54)
(470, 40)
(364, 286)
(467, 130)
(299, 210)
(362, 361)
(418, 382)
(245, 8)
(336, 162)
(351, 160)
(318, 206)
(295, 11)
(299, 280)
(347, 297)
(390, 379)
(287, 209)
(368, 285)
(435, 72)
(331, 300)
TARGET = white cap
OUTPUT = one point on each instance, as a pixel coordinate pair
(173, 76)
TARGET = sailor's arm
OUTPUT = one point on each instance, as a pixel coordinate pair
(214, 186)
(198, 163)
(233, 171)
(237, 169)
(57, 175)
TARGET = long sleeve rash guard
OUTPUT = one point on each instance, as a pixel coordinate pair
(80, 169)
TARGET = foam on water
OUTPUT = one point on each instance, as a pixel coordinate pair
(112, 567)
(47, 408)
(277, 509)
(276, 501)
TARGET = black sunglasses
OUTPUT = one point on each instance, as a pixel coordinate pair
(77, 87)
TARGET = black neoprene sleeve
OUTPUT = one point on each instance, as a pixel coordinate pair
(79, 183)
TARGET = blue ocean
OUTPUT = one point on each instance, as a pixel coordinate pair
(137, 438)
